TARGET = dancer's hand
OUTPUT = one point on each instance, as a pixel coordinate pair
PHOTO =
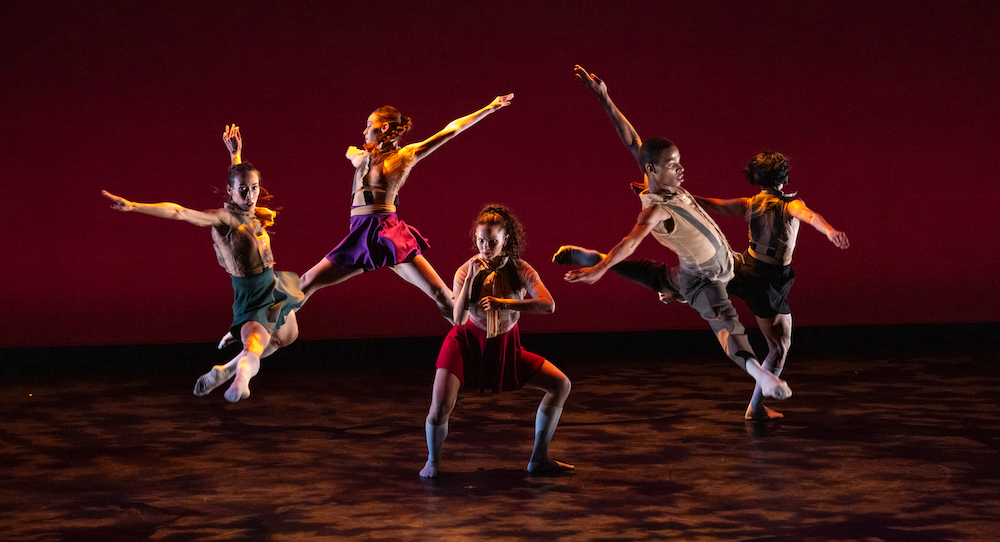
(490, 303)
(838, 238)
(355, 155)
(234, 143)
(591, 81)
(501, 101)
(119, 203)
(588, 275)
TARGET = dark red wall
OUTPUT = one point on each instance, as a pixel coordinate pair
(888, 112)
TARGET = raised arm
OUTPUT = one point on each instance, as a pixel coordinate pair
(728, 207)
(168, 210)
(624, 128)
(799, 210)
(455, 127)
(648, 219)
(234, 143)
(460, 289)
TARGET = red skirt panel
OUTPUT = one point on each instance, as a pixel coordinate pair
(497, 364)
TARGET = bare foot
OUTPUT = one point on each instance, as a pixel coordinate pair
(213, 379)
(549, 466)
(762, 415)
(430, 470)
(574, 255)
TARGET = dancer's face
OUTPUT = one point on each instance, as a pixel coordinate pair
(245, 190)
(667, 172)
(374, 128)
(490, 241)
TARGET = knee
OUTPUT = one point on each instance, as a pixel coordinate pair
(781, 349)
(438, 414)
(562, 387)
(287, 338)
(443, 296)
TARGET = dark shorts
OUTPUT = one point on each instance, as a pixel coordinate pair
(763, 286)
(377, 240)
(266, 298)
(497, 364)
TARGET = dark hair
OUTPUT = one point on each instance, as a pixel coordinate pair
(238, 171)
(500, 216)
(652, 150)
(767, 170)
(398, 124)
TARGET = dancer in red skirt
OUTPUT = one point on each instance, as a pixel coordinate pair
(483, 350)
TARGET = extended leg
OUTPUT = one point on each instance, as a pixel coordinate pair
(556, 387)
(443, 397)
(655, 276)
(778, 333)
(420, 274)
(323, 274)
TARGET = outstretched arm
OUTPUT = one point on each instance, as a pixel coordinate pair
(799, 210)
(624, 128)
(648, 219)
(457, 126)
(728, 207)
(168, 210)
(234, 143)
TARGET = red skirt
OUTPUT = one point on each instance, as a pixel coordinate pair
(497, 364)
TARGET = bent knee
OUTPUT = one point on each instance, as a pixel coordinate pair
(438, 414)
(562, 386)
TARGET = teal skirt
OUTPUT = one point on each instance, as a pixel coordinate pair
(266, 298)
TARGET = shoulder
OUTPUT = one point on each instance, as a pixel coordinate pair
(526, 271)
(466, 266)
(408, 154)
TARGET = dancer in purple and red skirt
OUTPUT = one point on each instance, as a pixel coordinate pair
(378, 238)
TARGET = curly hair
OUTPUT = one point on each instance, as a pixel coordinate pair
(767, 170)
(500, 216)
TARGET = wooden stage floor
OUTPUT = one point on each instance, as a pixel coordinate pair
(893, 434)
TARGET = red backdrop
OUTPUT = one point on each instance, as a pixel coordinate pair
(887, 110)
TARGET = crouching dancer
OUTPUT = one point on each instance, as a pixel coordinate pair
(483, 350)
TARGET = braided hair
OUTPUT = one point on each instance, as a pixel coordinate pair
(499, 216)
(767, 170)
(398, 125)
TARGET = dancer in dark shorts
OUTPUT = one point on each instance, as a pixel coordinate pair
(764, 275)
(264, 300)
(483, 351)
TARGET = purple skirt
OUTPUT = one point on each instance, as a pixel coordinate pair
(377, 240)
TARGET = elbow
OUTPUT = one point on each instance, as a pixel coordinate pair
(549, 308)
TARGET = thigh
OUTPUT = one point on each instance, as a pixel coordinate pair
(254, 336)
(420, 274)
(288, 332)
(445, 389)
(327, 273)
(550, 380)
